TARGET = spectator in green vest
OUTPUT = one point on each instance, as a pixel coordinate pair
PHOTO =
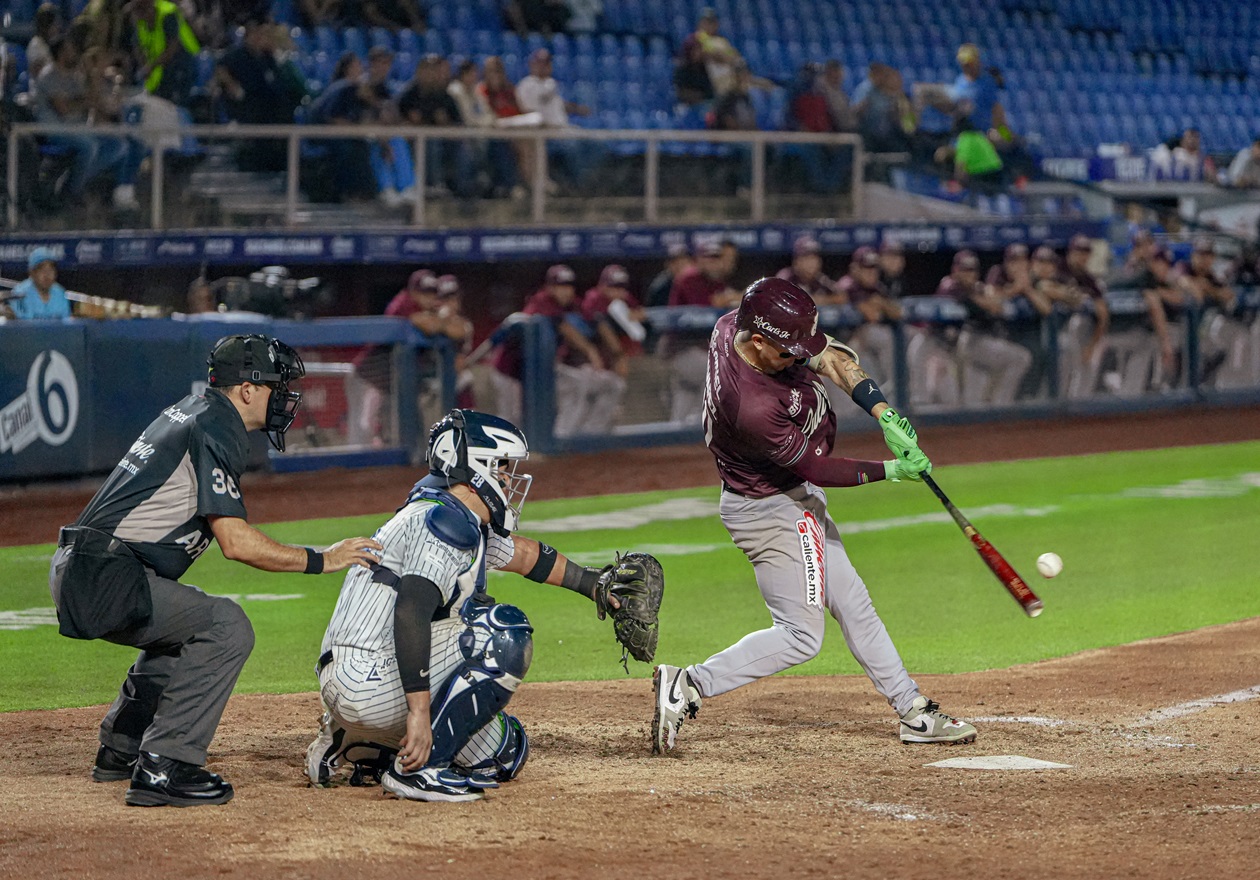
(974, 157)
(168, 50)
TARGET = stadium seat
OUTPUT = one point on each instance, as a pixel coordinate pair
(408, 41)
(353, 40)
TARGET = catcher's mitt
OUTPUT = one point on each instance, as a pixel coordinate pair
(638, 583)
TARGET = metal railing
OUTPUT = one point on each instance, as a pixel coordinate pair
(419, 137)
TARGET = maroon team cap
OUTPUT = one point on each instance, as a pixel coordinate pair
(1045, 252)
(560, 274)
(1016, 251)
(614, 276)
(866, 257)
(1081, 242)
(806, 245)
(966, 260)
(422, 279)
(447, 285)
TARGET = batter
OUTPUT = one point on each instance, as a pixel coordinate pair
(771, 430)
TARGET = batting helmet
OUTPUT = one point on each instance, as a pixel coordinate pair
(783, 313)
(483, 451)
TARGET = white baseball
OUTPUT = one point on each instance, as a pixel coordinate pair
(1049, 564)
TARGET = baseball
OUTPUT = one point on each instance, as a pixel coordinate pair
(1049, 564)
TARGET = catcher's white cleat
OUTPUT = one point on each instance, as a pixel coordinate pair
(926, 723)
(676, 698)
(323, 754)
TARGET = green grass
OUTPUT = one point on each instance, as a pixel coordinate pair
(1136, 566)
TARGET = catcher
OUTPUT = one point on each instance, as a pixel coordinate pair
(418, 662)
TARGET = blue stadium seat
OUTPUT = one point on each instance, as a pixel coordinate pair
(408, 41)
(584, 68)
(562, 68)
(326, 40)
(404, 66)
(561, 45)
(435, 44)
(353, 40)
(511, 42)
(486, 42)
(379, 36)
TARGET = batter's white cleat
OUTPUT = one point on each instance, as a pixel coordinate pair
(926, 723)
(322, 754)
(676, 698)
(429, 784)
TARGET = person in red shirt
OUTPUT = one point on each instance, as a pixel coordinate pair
(865, 290)
(617, 317)
(706, 284)
(806, 273)
(588, 394)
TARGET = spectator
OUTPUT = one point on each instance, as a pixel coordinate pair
(1182, 158)
(474, 109)
(500, 94)
(545, 16)
(806, 273)
(734, 110)
(1081, 341)
(40, 297)
(61, 96)
(892, 268)
(200, 299)
(390, 158)
(1142, 246)
(104, 25)
(831, 84)
(168, 50)
(587, 394)
(992, 366)
(322, 12)
(584, 15)
(707, 284)
(864, 289)
(720, 57)
(975, 94)
(692, 85)
(826, 168)
(973, 157)
(257, 90)
(1244, 171)
(677, 258)
(345, 102)
(540, 93)
(1012, 280)
(1222, 339)
(617, 317)
(884, 114)
(426, 101)
(396, 15)
(47, 29)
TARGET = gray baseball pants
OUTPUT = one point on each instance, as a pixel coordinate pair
(192, 649)
(992, 368)
(803, 572)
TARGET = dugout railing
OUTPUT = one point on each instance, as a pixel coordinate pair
(617, 175)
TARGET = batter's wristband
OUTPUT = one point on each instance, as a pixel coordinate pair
(314, 561)
(545, 563)
(867, 394)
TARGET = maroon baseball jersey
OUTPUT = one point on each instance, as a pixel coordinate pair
(1085, 280)
(759, 426)
(595, 303)
(692, 287)
(509, 358)
(858, 292)
(820, 288)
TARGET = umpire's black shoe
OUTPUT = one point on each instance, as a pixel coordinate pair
(159, 781)
(112, 765)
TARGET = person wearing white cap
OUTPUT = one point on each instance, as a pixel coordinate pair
(40, 297)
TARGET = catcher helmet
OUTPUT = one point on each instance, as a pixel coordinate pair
(783, 313)
(260, 360)
(483, 451)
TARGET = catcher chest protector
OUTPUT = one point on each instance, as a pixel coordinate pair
(497, 647)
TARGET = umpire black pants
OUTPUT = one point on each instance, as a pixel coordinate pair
(192, 649)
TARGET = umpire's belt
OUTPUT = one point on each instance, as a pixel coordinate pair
(66, 538)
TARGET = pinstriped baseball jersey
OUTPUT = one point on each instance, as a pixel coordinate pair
(364, 616)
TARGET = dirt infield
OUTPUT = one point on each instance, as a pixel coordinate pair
(789, 777)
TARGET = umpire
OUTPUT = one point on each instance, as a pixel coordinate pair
(114, 575)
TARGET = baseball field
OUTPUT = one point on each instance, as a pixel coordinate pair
(1138, 684)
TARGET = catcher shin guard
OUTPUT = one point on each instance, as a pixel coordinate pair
(499, 750)
(497, 647)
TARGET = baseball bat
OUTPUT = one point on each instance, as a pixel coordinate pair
(997, 563)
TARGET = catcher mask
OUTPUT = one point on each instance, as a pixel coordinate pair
(485, 452)
(260, 360)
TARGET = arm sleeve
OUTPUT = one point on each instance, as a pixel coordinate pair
(839, 472)
(418, 599)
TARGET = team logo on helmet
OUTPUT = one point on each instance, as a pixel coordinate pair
(762, 324)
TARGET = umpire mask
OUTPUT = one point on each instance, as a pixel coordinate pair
(261, 360)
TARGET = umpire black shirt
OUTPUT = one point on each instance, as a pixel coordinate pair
(185, 467)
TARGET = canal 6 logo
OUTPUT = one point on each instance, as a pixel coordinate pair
(47, 410)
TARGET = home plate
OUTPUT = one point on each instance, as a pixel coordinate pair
(997, 762)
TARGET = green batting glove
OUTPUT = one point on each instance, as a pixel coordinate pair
(912, 468)
(899, 434)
